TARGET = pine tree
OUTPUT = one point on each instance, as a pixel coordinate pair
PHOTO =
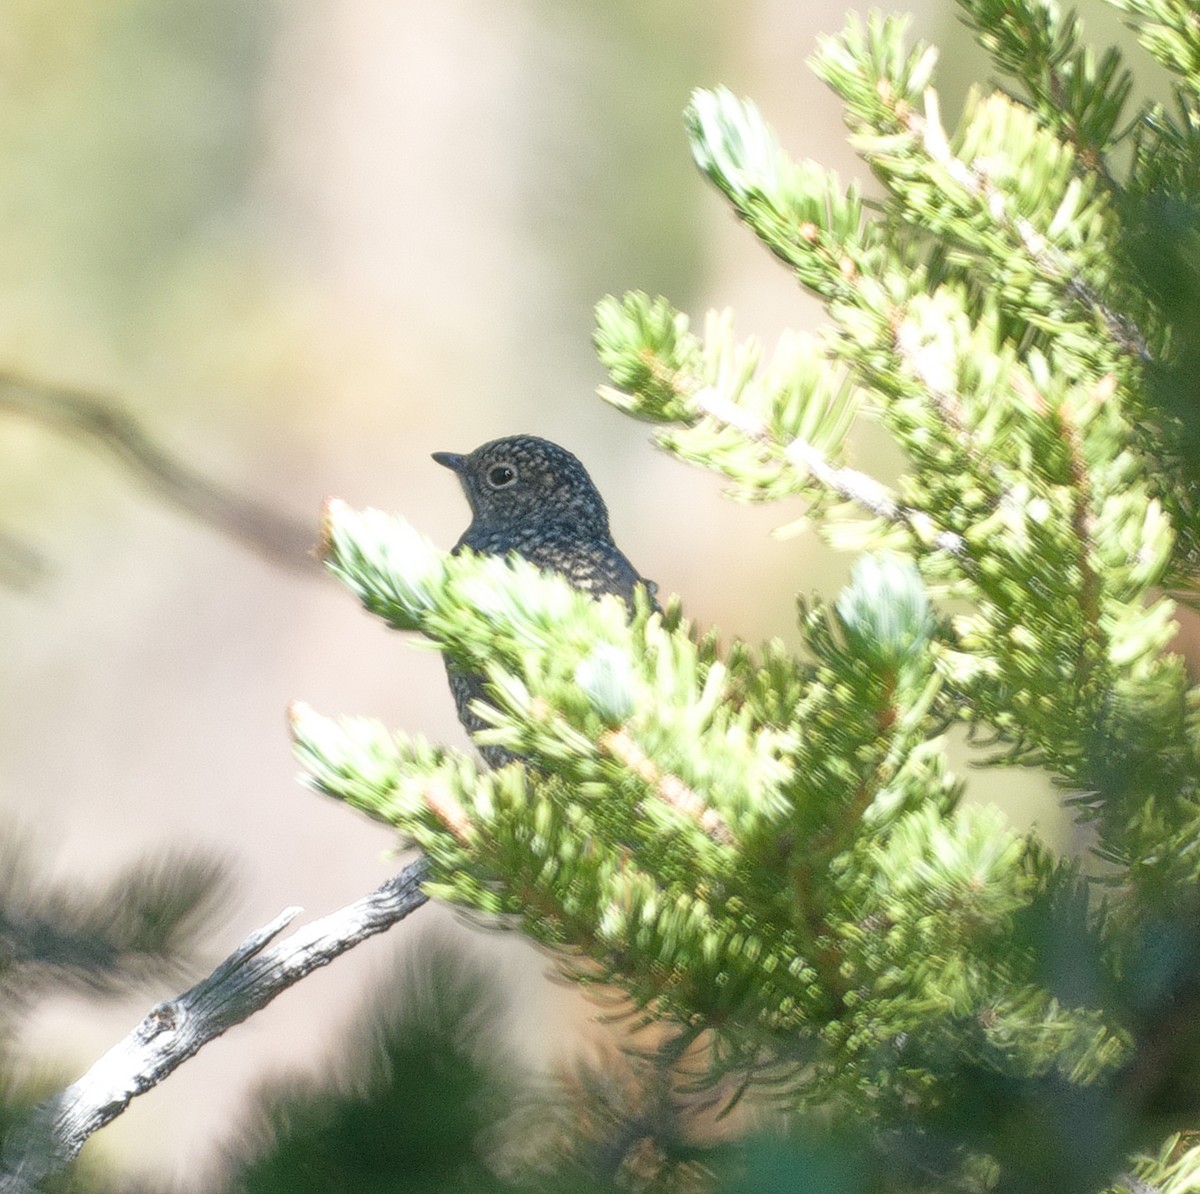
(765, 851)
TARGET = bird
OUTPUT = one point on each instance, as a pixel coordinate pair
(532, 498)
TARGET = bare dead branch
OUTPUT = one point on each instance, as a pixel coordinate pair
(276, 536)
(21, 567)
(174, 1030)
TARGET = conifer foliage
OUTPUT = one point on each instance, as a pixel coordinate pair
(766, 851)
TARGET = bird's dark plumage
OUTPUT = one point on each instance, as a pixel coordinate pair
(534, 499)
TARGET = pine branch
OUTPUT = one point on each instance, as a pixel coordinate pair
(1071, 89)
(243, 984)
(1168, 29)
(768, 845)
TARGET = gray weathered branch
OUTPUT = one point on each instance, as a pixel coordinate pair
(174, 1030)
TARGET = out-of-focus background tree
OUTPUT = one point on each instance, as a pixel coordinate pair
(305, 245)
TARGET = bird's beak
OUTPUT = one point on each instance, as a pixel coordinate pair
(451, 460)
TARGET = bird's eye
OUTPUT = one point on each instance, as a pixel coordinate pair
(501, 476)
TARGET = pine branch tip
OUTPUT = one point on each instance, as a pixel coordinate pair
(333, 510)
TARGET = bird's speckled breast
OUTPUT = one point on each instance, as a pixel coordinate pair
(594, 566)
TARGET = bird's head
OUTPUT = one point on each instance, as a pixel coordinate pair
(523, 480)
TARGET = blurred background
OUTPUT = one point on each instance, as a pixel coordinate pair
(305, 245)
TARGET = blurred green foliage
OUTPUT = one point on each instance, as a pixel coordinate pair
(415, 1098)
(128, 133)
(58, 937)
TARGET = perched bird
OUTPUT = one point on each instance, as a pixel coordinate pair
(531, 498)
